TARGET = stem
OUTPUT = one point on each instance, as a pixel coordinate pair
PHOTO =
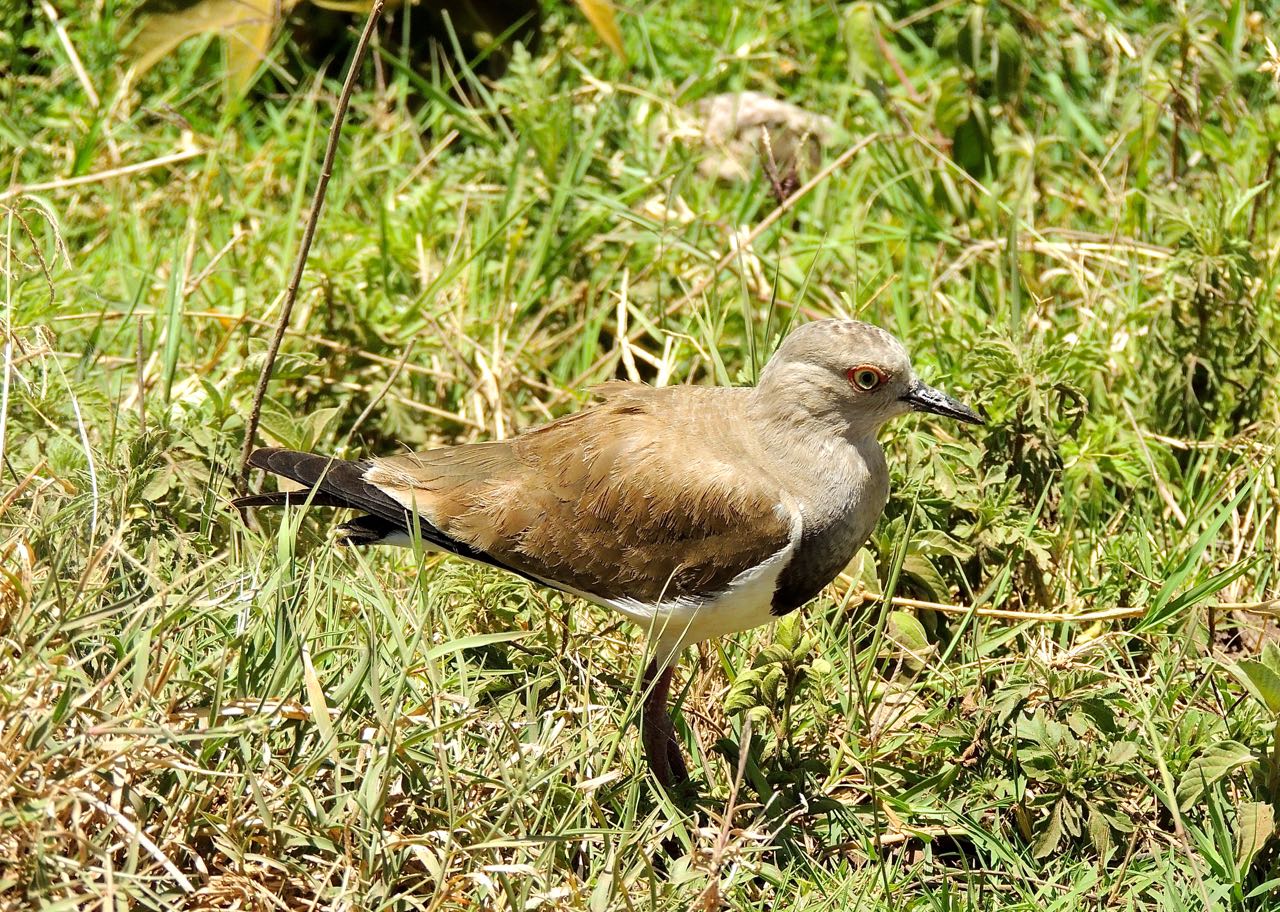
(308, 235)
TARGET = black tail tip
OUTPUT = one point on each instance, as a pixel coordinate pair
(367, 530)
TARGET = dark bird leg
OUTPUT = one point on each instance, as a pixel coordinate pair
(657, 731)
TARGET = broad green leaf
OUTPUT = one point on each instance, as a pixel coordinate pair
(1215, 762)
(1051, 835)
(1070, 819)
(1121, 752)
(971, 146)
(1271, 656)
(969, 39)
(770, 686)
(921, 569)
(862, 571)
(787, 633)
(1260, 680)
(1255, 824)
(773, 654)
(316, 425)
(739, 699)
(743, 693)
(908, 635)
(1008, 60)
(1099, 832)
(950, 110)
(861, 34)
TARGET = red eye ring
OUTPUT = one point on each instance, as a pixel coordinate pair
(865, 377)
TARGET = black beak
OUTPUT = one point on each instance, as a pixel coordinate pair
(924, 398)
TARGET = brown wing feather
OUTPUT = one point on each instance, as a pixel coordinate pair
(621, 500)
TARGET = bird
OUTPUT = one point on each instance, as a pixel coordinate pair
(694, 511)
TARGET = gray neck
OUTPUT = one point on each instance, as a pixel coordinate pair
(839, 480)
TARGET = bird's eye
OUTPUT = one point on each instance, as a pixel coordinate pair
(865, 378)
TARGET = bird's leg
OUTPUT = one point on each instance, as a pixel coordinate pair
(675, 758)
(657, 730)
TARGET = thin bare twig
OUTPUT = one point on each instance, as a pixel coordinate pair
(308, 235)
(19, 189)
(386, 388)
(65, 40)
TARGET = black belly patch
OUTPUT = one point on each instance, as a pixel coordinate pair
(821, 555)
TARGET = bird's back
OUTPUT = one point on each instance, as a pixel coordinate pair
(647, 496)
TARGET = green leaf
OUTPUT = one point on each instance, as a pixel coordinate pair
(769, 687)
(969, 39)
(1121, 752)
(315, 425)
(1099, 832)
(1008, 61)
(1217, 761)
(922, 571)
(1261, 680)
(971, 146)
(475, 641)
(740, 699)
(744, 693)
(773, 654)
(861, 34)
(1050, 836)
(1165, 606)
(1070, 819)
(907, 634)
(945, 39)
(1271, 656)
(787, 633)
(952, 106)
(1255, 824)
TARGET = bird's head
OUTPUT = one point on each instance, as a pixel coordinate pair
(852, 374)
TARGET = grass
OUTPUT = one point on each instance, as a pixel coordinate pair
(1074, 227)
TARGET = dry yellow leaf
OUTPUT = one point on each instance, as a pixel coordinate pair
(316, 701)
(600, 14)
(246, 25)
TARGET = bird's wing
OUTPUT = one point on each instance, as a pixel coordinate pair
(645, 496)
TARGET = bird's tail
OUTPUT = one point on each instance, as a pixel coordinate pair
(330, 482)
